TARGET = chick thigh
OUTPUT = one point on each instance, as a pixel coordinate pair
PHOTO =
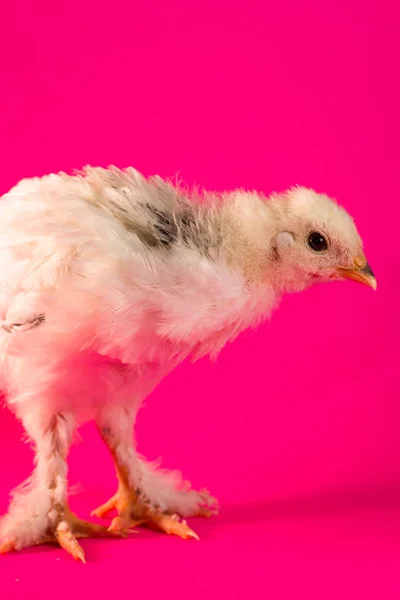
(146, 495)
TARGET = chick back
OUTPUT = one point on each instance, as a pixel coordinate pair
(117, 272)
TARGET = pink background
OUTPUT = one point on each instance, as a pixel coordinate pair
(296, 429)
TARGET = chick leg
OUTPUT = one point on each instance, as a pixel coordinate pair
(39, 511)
(138, 501)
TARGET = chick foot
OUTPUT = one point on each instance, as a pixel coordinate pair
(64, 530)
(133, 512)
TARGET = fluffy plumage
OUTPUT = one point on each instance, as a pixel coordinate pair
(108, 280)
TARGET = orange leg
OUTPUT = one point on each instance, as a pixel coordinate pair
(133, 510)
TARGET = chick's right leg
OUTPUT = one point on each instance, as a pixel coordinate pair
(39, 511)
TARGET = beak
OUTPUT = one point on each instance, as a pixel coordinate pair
(361, 272)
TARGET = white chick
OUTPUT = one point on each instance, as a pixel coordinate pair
(108, 280)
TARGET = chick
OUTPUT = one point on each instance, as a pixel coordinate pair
(108, 280)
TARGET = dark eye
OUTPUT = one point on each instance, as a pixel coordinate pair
(317, 242)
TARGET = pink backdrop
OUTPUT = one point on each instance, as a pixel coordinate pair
(296, 428)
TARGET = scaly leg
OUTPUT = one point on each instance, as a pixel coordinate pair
(145, 495)
(39, 512)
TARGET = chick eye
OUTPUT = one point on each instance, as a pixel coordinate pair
(317, 242)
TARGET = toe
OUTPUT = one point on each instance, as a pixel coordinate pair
(68, 541)
(85, 529)
(104, 509)
(172, 526)
(124, 524)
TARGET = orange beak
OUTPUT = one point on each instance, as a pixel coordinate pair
(361, 272)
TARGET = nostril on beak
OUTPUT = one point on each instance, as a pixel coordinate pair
(360, 262)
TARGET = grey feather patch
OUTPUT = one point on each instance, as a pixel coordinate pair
(160, 215)
(171, 228)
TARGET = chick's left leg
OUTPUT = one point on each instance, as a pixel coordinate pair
(39, 511)
(136, 502)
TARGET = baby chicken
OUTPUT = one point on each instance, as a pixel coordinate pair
(108, 280)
